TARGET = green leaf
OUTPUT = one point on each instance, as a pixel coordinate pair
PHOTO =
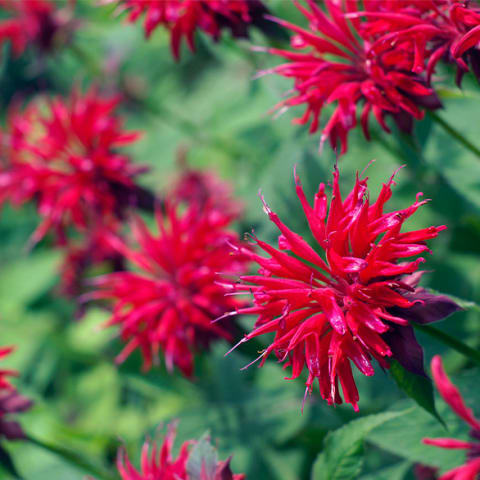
(6, 463)
(203, 458)
(417, 387)
(403, 437)
(342, 456)
(396, 472)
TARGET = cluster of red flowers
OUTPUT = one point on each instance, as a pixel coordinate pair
(379, 59)
(157, 463)
(355, 304)
(184, 17)
(39, 23)
(171, 303)
(11, 402)
(66, 161)
(451, 395)
(62, 154)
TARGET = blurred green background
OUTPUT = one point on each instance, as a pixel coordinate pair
(210, 105)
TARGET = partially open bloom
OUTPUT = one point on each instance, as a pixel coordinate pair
(331, 65)
(355, 303)
(205, 187)
(184, 17)
(159, 464)
(451, 395)
(39, 23)
(433, 30)
(169, 304)
(63, 156)
(11, 402)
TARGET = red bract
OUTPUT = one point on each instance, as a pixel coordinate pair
(170, 304)
(452, 396)
(11, 402)
(158, 464)
(65, 159)
(432, 30)
(37, 22)
(184, 17)
(332, 65)
(353, 304)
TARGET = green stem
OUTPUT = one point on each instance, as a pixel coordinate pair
(469, 352)
(74, 459)
(454, 133)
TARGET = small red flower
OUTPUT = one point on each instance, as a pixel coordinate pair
(66, 160)
(332, 64)
(170, 303)
(11, 402)
(352, 304)
(205, 187)
(158, 464)
(37, 23)
(93, 250)
(431, 30)
(452, 396)
(184, 17)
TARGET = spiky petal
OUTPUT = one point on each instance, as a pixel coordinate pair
(453, 397)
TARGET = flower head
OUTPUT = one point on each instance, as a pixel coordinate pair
(11, 402)
(64, 157)
(432, 30)
(355, 302)
(331, 64)
(38, 23)
(452, 396)
(184, 17)
(170, 303)
(158, 464)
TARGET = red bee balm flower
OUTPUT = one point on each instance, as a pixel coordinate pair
(11, 402)
(170, 305)
(37, 22)
(66, 160)
(433, 30)
(334, 67)
(184, 17)
(158, 464)
(452, 396)
(354, 304)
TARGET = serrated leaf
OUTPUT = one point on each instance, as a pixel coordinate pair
(202, 460)
(342, 456)
(417, 387)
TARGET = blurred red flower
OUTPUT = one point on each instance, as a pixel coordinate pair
(63, 155)
(38, 23)
(452, 396)
(158, 464)
(205, 187)
(11, 402)
(170, 303)
(183, 17)
(332, 64)
(354, 304)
